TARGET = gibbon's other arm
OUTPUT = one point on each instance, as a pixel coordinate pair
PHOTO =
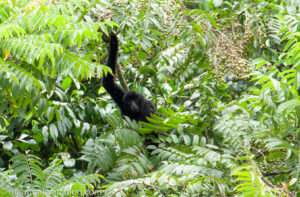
(109, 84)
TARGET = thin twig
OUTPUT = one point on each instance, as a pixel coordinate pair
(259, 172)
(130, 184)
(276, 173)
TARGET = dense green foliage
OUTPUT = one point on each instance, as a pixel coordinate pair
(224, 76)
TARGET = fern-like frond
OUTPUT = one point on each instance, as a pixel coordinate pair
(27, 168)
(20, 83)
(25, 78)
(33, 51)
(10, 30)
(237, 131)
(6, 11)
(126, 131)
(6, 180)
(180, 169)
(127, 137)
(274, 27)
(98, 156)
(249, 181)
(52, 176)
(171, 154)
(76, 34)
(174, 120)
(80, 185)
(132, 162)
(75, 65)
(267, 81)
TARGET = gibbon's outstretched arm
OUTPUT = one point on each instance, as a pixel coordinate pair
(131, 103)
(109, 84)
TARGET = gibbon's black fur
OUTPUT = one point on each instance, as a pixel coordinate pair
(131, 103)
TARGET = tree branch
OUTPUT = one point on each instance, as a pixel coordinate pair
(121, 78)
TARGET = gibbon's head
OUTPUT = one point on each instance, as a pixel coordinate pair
(136, 107)
(132, 102)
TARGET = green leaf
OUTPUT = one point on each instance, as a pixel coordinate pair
(42, 105)
(7, 146)
(66, 83)
(53, 132)
(45, 134)
(103, 28)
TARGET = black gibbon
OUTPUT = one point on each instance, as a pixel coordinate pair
(131, 103)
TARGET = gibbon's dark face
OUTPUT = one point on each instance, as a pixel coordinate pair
(132, 102)
(134, 106)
